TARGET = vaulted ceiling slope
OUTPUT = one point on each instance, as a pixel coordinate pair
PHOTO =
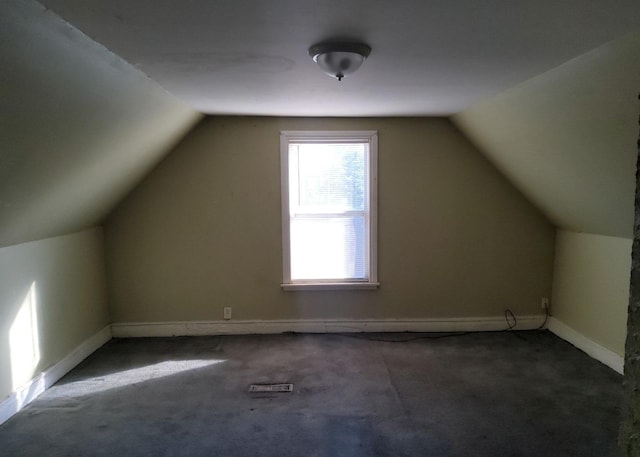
(78, 125)
(567, 138)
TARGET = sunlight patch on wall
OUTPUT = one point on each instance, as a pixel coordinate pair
(23, 340)
(128, 378)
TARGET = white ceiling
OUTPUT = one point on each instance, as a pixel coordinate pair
(433, 57)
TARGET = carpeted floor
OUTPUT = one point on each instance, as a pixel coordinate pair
(476, 395)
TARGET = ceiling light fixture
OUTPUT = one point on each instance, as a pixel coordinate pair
(339, 59)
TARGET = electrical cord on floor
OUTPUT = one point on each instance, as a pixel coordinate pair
(508, 313)
(546, 318)
(435, 336)
(509, 318)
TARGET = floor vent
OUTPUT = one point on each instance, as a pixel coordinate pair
(256, 388)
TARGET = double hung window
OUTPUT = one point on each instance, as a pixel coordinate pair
(329, 209)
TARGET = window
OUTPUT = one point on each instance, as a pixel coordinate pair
(329, 182)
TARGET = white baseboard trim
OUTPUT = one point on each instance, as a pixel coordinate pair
(593, 349)
(194, 328)
(32, 389)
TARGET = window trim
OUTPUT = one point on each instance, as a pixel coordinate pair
(318, 136)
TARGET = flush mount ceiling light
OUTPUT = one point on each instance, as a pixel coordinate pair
(339, 59)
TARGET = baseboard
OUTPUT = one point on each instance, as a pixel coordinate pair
(32, 389)
(593, 349)
(193, 328)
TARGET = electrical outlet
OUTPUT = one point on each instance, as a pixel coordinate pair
(227, 312)
(545, 303)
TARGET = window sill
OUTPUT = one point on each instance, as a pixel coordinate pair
(330, 286)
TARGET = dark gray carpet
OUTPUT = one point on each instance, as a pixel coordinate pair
(484, 394)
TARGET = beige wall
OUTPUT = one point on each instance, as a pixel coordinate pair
(52, 298)
(202, 231)
(591, 286)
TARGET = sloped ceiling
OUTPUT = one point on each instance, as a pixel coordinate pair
(78, 125)
(567, 139)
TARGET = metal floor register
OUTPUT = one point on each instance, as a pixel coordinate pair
(255, 388)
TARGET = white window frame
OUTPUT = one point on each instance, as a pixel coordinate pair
(329, 136)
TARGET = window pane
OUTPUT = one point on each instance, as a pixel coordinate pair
(331, 177)
(332, 248)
